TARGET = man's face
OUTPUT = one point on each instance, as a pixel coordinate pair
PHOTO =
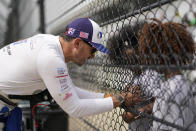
(84, 52)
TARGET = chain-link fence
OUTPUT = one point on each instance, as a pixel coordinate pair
(152, 50)
(152, 55)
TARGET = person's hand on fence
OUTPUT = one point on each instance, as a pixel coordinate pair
(129, 117)
(132, 96)
(128, 98)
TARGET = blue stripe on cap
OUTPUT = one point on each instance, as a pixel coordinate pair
(100, 47)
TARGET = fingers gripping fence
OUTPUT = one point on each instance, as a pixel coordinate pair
(152, 55)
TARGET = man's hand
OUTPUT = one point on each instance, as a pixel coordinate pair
(132, 96)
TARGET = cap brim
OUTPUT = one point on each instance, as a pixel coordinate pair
(100, 47)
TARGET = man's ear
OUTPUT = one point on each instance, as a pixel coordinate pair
(77, 43)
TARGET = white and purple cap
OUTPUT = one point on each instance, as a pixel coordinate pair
(87, 30)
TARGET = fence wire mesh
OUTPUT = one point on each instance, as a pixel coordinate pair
(152, 53)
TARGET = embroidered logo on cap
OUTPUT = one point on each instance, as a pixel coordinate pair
(71, 31)
(99, 35)
(84, 35)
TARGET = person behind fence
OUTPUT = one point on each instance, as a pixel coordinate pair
(124, 50)
(123, 45)
(40, 62)
(168, 44)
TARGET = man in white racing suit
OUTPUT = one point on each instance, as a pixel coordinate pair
(40, 62)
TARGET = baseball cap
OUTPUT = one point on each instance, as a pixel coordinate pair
(87, 30)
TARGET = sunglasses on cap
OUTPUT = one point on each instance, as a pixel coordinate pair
(93, 50)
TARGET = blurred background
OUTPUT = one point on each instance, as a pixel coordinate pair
(20, 19)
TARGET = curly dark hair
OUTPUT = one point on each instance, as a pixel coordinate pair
(165, 43)
(124, 40)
